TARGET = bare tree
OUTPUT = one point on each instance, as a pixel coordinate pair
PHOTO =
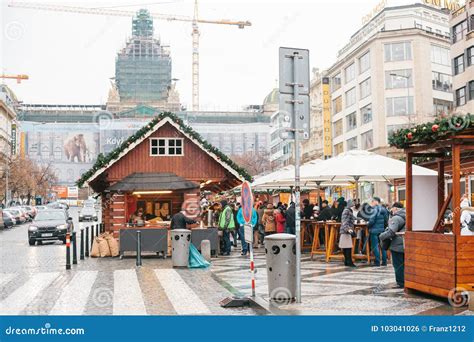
(254, 162)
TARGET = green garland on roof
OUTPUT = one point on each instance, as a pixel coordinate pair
(103, 161)
(430, 132)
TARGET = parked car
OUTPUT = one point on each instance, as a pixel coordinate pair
(17, 215)
(8, 219)
(31, 211)
(51, 224)
(24, 213)
(88, 213)
(40, 207)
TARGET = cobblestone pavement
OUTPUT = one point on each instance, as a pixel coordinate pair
(33, 281)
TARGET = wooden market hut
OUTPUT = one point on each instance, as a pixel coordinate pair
(157, 169)
(438, 259)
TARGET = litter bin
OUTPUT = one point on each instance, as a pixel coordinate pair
(280, 252)
(180, 240)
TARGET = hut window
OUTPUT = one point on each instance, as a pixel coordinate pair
(166, 147)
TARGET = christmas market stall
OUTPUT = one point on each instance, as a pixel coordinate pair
(439, 246)
(158, 171)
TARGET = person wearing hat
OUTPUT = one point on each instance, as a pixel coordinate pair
(395, 225)
(347, 232)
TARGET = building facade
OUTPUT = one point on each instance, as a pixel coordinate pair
(462, 56)
(313, 147)
(8, 124)
(394, 72)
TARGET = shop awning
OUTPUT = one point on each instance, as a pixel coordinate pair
(153, 182)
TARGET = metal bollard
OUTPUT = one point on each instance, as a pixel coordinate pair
(74, 249)
(92, 235)
(82, 245)
(97, 229)
(68, 251)
(87, 241)
(103, 227)
(139, 248)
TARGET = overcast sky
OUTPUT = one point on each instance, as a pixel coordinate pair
(70, 57)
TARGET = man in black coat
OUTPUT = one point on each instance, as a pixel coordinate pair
(179, 221)
(307, 209)
(290, 217)
(326, 212)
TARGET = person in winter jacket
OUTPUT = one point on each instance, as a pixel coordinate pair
(307, 209)
(241, 222)
(346, 231)
(377, 223)
(268, 220)
(290, 216)
(280, 221)
(396, 224)
(325, 213)
(226, 224)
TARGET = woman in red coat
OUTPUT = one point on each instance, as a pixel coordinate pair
(280, 221)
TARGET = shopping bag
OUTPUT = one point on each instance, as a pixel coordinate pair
(95, 253)
(113, 245)
(104, 249)
(196, 260)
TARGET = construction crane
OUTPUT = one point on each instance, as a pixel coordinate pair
(195, 20)
(18, 78)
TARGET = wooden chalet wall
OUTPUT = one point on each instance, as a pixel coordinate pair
(195, 165)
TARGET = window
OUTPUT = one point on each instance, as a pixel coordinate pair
(338, 148)
(367, 139)
(366, 114)
(429, 29)
(350, 97)
(166, 147)
(461, 96)
(351, 122)
(395, 79)
(349, 73)
(338, 128)
(441, 107)
(399, 106)
(365, 88)
(336, 82)
(471, 90)
(459, 64)
(470, 56)
(337, 104)
(442, 82)
(440, 55)
(352, 144)
(364, 62)
(459, 31)
(397, 52)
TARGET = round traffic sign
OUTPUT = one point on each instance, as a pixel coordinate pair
(247, 202)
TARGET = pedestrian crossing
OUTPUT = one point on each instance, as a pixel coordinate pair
(82, 289)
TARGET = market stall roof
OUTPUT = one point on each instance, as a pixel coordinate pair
(153, 181)
(358, 165)
(98, 172)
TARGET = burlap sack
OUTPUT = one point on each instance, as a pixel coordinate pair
(95, 253)
(113, 245)
(104, 249)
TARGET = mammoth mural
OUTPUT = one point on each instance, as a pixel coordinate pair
(75, 149)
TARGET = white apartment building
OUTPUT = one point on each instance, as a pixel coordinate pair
(395, 71)
(462, 55)
(8, 130)
(313, 147)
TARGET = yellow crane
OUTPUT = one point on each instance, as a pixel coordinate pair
(195, 20)
(18, 78)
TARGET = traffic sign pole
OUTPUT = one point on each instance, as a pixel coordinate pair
(247, 211)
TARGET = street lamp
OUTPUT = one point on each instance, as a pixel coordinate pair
(407, 78)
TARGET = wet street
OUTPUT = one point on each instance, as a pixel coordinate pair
(33, 281)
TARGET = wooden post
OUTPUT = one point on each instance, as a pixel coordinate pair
(456, 202)
(409, 192)
(440, 184)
